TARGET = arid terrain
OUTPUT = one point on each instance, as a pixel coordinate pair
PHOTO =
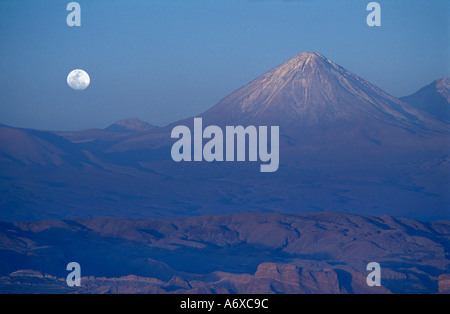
(244, 253)
(352, 159)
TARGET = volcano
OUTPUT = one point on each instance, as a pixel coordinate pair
(311, 91)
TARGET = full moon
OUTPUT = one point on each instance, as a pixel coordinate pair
(78, 79)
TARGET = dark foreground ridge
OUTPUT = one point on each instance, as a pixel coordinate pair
(243, 253)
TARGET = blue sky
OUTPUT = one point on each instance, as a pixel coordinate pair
(165, 60)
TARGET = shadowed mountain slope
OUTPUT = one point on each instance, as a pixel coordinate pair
(433, 99)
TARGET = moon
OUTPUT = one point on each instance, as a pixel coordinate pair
(78, 79)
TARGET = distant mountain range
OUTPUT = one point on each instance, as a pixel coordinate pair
(345, 145)
(353, 160)
(246, 253)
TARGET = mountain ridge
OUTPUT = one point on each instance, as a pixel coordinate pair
(130, 125)
(246, 253)
(433, 99)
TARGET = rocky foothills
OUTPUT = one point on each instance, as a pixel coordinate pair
(245, 253)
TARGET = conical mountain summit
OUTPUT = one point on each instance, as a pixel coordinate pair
(310, 90)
